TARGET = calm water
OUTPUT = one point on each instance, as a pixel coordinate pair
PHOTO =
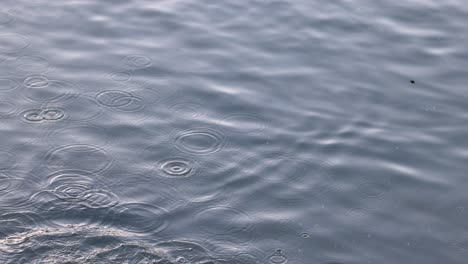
(239, 132)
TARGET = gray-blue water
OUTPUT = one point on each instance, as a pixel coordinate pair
(240, 132)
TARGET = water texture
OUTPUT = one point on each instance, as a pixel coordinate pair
(239, 132)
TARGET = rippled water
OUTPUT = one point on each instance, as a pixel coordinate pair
(250, 131)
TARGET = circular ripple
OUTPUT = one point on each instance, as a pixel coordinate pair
(8, 84)
(100, 199)
(359, 213)
(140, 217)
(151, 156)
(32, 115)
(79, 157)
(7, 160)
(120, 100)
(82, 192)
(134, 104)
(73, 191)
(120, 76)
(223, 221)
(41, 89)
(52, 114)
(36, 81)
(47, 201)
(29, 65)
(6, 18)
(73, 176)
(114, 98)
(187, 110)
(12, 42)
(243, 124)
(7, 108)
(278, 257)
(200, 141)
(74, 188)
(177, 167)
(41, 115)
(138, 61)
(209, 177)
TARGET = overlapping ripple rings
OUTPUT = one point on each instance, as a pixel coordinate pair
(138, 61)
(43, 115)
(73, 197)
(210, 178)
(44, 90)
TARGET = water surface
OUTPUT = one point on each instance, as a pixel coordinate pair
(250, 131)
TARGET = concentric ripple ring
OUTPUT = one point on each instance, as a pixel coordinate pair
(200, 141)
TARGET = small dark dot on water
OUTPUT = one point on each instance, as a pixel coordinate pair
(412, 81)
